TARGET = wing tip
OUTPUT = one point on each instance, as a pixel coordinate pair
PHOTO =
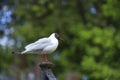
(16, 52)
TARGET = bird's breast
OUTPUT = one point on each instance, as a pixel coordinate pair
(51, 48)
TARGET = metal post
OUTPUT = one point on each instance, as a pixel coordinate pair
(46, 72)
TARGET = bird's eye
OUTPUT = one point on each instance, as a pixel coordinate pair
(56, 35)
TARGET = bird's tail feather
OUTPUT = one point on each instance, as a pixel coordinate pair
(16, 52)
(26, 52)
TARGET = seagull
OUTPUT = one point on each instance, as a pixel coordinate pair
(43, 46)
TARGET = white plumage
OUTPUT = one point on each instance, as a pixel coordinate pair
(43, 45)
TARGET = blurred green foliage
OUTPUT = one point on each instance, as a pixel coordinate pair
(91, 30)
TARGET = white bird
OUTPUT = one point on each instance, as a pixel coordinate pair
(43, 46)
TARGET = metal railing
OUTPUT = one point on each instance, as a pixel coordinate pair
(46, 71)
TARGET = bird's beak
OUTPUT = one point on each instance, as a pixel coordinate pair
(61, 39)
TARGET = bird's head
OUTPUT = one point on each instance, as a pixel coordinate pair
(56, 35)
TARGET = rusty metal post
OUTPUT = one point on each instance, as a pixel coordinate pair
(46, 71)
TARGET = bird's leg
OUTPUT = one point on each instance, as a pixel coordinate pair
(46, 58)
(41, 56)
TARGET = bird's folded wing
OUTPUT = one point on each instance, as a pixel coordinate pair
(40, 42)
